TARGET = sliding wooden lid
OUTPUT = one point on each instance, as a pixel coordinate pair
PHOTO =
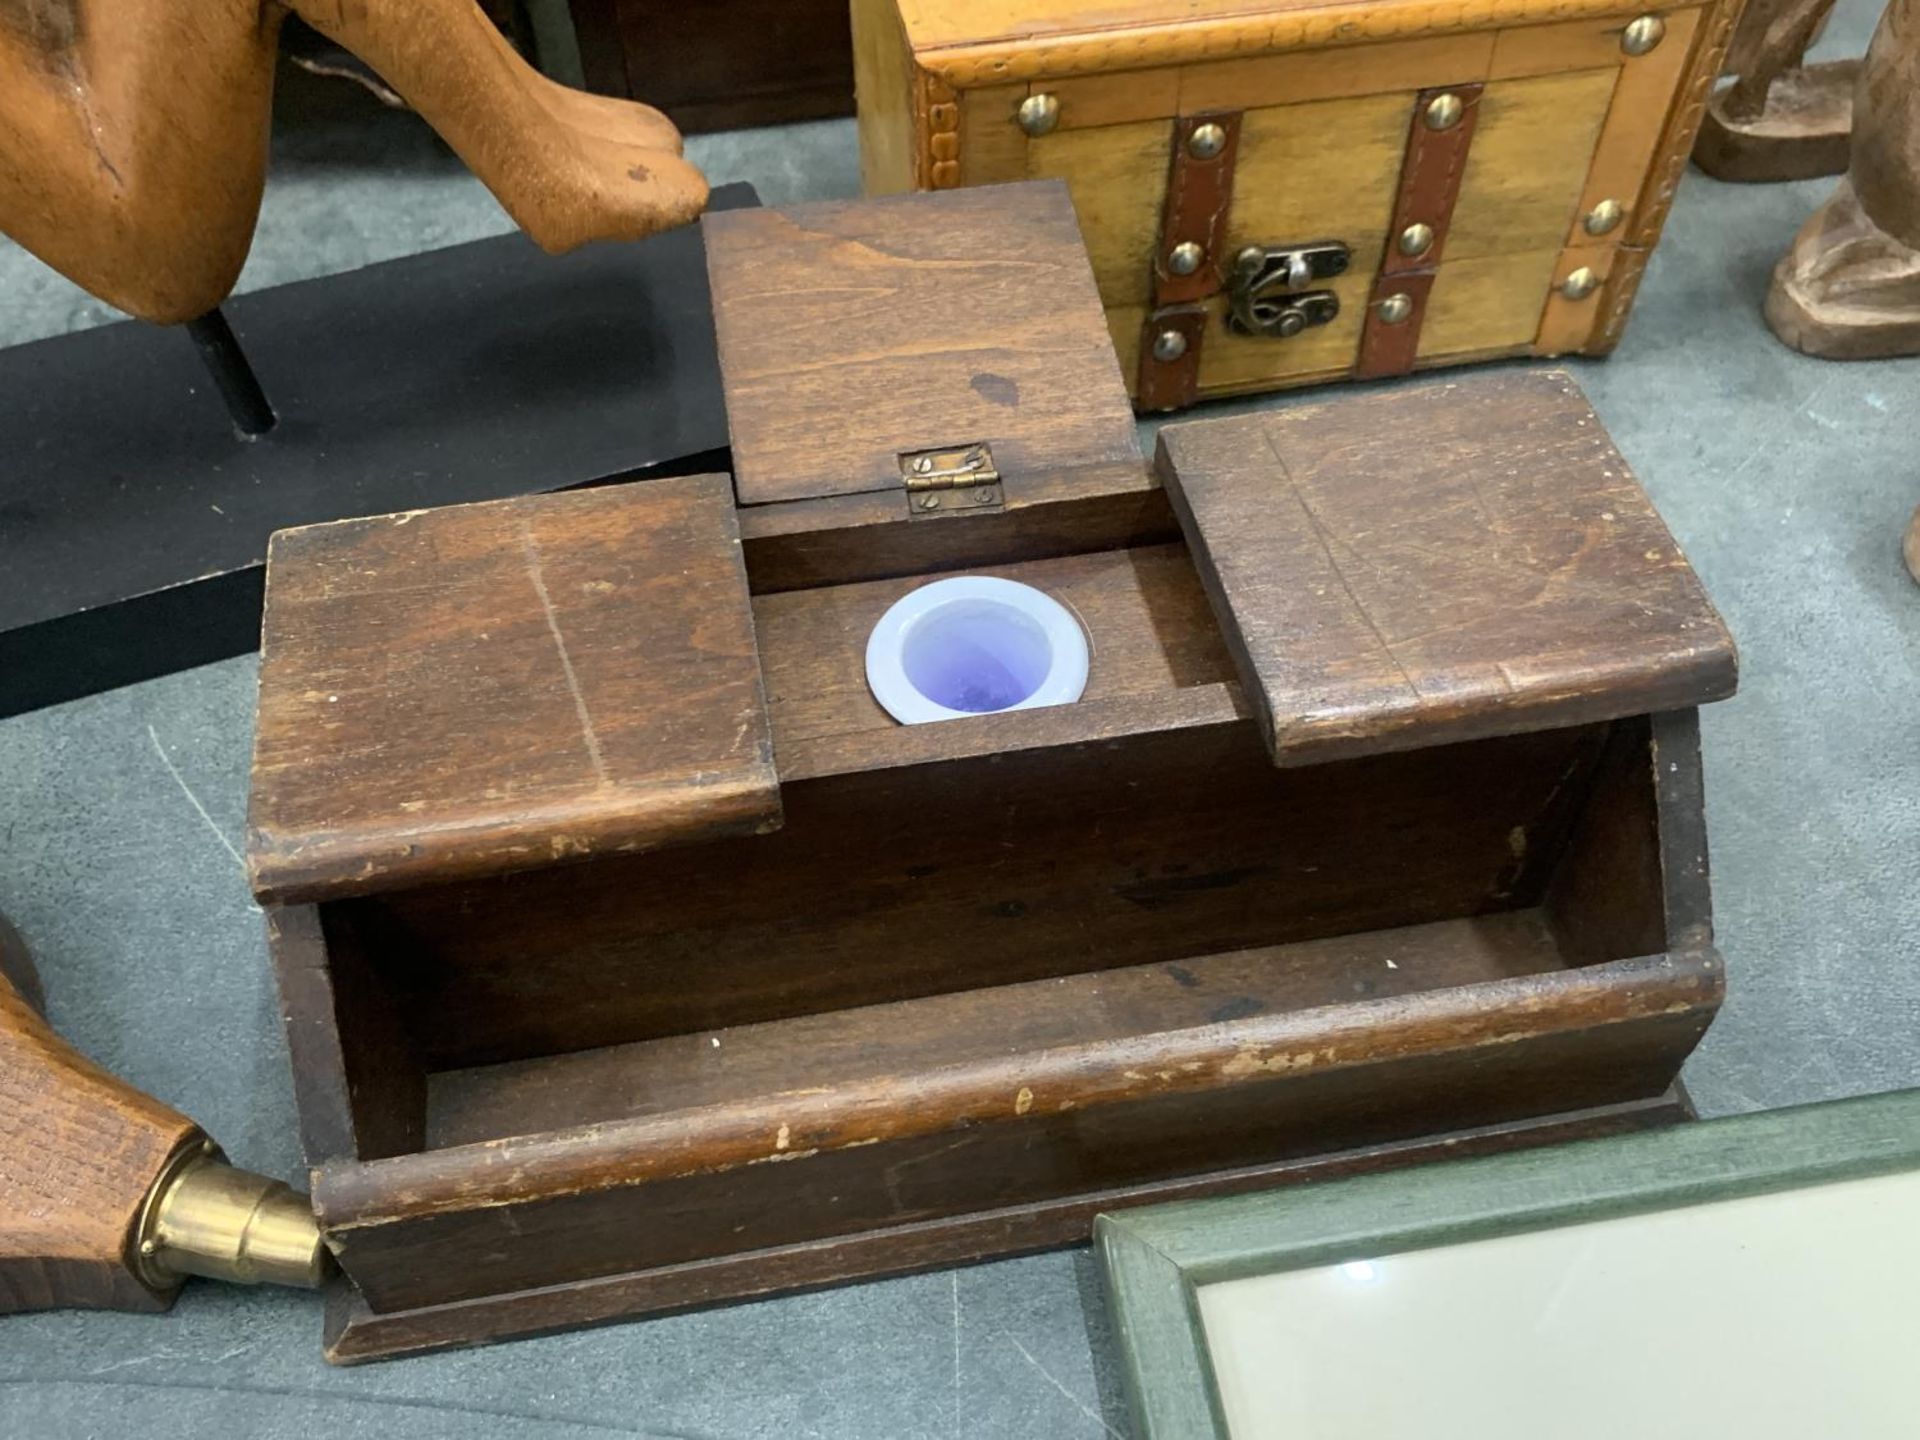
(460, 692)
(1439, 562)
(853, 333)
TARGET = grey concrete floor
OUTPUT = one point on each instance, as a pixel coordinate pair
(1787, 480)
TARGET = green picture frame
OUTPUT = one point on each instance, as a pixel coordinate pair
(1157, 1259)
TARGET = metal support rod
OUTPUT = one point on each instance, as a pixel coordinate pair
(227, 363)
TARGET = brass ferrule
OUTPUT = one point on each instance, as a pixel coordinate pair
(204, 1217)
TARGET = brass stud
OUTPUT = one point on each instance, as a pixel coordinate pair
(1444, 111)
(1395, 309)
(1580, 284)
(1185, 258)
(1416, 240)
(1643, 34)
(1038, 114)
(1169, 345)
(1604, 217)
(1207, 141)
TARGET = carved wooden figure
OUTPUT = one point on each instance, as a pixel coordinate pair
(1780, 119)
(133, 135)
(1849, 289)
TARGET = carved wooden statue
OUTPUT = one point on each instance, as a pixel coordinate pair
(1780, 118)
(1849, 289)
(133, 135)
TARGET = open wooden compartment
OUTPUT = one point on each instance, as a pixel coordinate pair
(1269, 901)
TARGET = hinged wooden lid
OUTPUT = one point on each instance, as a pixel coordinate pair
(452, 693)
(857, 335)
(993, 43)
(1439, 562)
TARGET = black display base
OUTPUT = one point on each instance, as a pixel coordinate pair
(134, 519)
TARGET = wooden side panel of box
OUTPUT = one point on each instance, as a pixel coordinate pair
(357, 1079)
(356, 1334)
(441, 1227)
(909, 880)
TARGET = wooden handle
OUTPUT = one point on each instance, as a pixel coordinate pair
(80, 1152)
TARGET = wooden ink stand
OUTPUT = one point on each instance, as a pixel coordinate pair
(1377, 834)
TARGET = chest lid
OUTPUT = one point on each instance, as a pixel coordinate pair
(958, 332)
(994, 42)
(454, 693)
(1436, 563)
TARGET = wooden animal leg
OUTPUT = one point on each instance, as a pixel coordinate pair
(135, 143)
(1850, 287)
(567, 168)
(608, 117)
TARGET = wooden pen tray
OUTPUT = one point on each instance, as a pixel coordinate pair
(633, 958)
(989, 977)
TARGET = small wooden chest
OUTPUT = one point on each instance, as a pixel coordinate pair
(633, 958)
(1286, 193)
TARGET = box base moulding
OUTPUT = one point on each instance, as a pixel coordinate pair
(356, 1334)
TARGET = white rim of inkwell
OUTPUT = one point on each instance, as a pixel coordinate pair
(975, 645)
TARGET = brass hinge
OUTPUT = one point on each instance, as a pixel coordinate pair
(956, 480)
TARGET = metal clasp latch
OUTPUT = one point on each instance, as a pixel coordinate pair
(956, 480)
(1267, 290)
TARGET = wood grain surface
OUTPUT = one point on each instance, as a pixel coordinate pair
(884, 95)
(966, 43)
(355, 1333)
(852, 333)
(914, 1142)
(1488, 305)
(1448, 560)
(79, 1152)
(495, 686)
(978, 1033)
(974, 870)
(844, 539)
(1624, 155)
(1533, 144)
(1117, 175)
